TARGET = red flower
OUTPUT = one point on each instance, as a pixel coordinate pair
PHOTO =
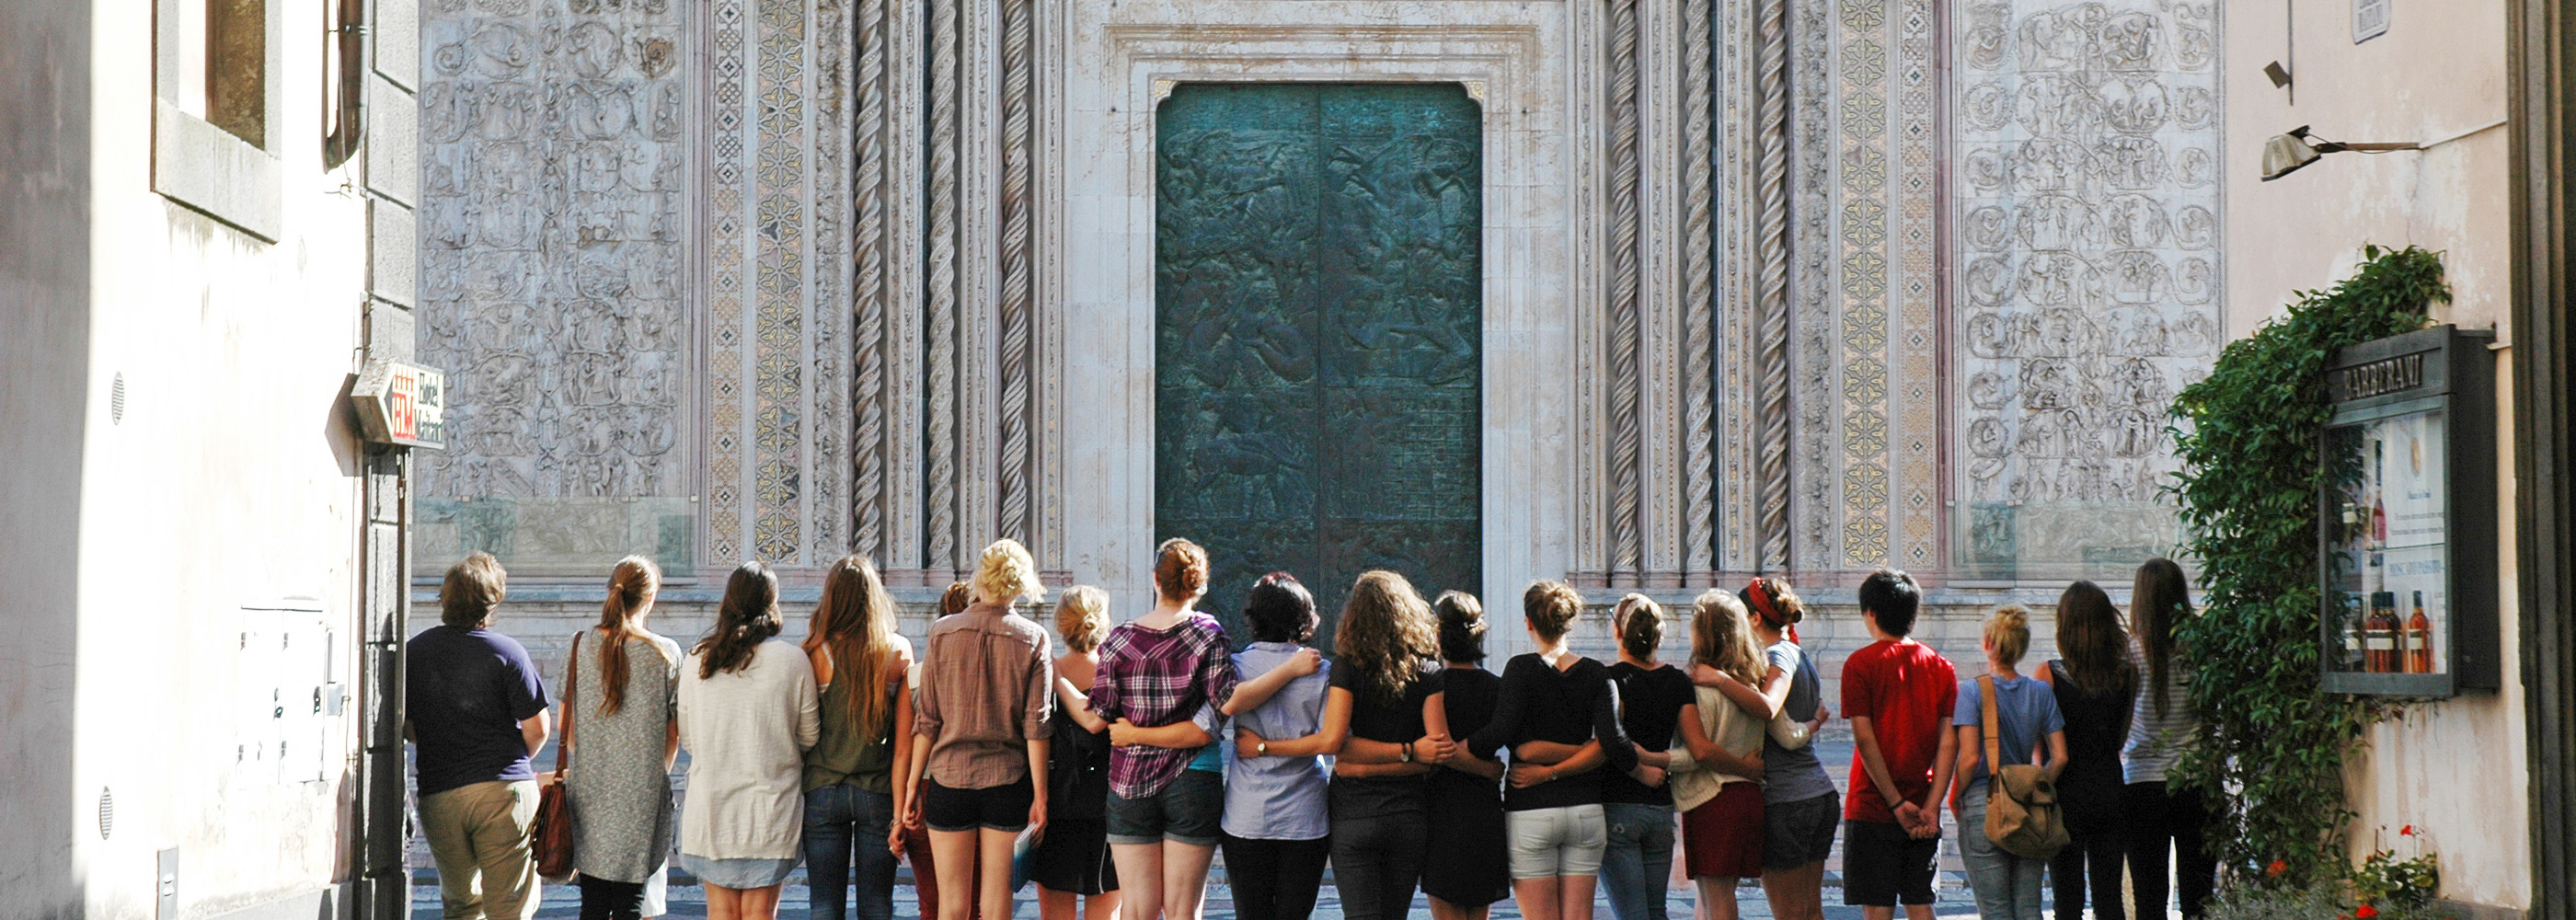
(2275, 869)
(2407, 831)
(2364, 912)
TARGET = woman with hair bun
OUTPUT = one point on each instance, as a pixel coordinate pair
(619, 781)
(1071, 866)
(980, 733)
(1559, 714)
(1473, 870)
(747, 714)
(1800, 807)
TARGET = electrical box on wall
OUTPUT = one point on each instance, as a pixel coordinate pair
(288, 708)
(2406, 529)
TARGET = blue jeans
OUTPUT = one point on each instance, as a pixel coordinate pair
(1637, 866)
(2007, 886)
(839, 819)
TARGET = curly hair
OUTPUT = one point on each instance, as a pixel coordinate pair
(1773, 602)
(1387, 634)
(1722, 637)
(956, 599)
(1082, 617)
(1279, 609)
(1551, 607)
(746, 617)
(1006, 574)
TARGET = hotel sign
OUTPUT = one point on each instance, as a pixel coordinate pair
(402, 403)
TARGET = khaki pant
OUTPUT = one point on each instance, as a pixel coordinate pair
(479, 835)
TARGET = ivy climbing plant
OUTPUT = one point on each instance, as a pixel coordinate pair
(2273, 743)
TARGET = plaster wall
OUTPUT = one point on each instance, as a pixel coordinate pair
(216, 495)
(2452, 769)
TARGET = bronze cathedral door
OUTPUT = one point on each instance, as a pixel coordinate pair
(1318, 286)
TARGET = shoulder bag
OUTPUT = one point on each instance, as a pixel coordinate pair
(552, 835)
(2022, 815)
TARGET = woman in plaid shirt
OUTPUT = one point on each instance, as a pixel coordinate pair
(1158, 675)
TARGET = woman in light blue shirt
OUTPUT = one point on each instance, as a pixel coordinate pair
(1276, 831)
(2028, 728)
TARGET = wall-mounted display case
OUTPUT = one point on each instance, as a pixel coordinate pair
(2407, 521)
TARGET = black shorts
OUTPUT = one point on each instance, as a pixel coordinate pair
(1002, 808)
(1883, 865)
(1191, 810)
(1801, 832)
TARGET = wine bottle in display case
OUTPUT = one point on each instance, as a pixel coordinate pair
(2380, 633)
(2419, 640)
(2351, 626)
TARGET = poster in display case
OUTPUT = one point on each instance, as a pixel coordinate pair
(2406, 522)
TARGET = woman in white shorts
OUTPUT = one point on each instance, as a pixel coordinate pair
(1559, 715)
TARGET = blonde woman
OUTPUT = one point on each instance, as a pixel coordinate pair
(619, 781)
(1717, 777)
(2026, 720)
(866, 718)
(1073, 870)
(980, 733)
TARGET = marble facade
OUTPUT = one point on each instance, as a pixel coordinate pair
(1770, 285)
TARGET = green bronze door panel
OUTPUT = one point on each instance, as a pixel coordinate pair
(1317, 363)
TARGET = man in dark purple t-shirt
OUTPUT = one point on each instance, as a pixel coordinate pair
(476, 713)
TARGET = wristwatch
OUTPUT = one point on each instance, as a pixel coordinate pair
(1261, 750)
(1408, 752)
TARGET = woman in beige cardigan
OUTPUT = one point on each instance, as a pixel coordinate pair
(1717, 762)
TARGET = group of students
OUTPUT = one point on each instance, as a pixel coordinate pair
(1136, 752)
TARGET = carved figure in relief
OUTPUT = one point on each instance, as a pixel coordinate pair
(2196, 167)
(2050, 164)
(2058, 278)
(2134, 104)
(2195, 281)
(1989, 390)
(1987, 105)
(446, 109)
(2039, 439)
(2057, 104)
(2143, 332)
(2195, 227)
(2138, 277)
(2135, 221)
(2140, 434)
(502, 51)
(2128, 41)
(507, 111)
(2050, 383)
(2195, 108)
(2196, 44)
(2060, 40)
(598, 111)
(1988, 24)
(2130, 162)
(594, 49)
(1985, 168)
(2139, 382)
(1989, 336)
(1986, 228)
(2054, 222)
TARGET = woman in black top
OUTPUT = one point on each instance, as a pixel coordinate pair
(2096, 684)
(1466, 793)
(1072, 862)
(1655, 698)
(1386, 726)
(1559, 714)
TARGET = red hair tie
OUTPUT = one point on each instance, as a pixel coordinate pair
(1767, 609)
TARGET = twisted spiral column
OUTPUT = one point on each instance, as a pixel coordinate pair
(1018, 301)
(1699, 476)
(1626, 383)
(867, 388)
(1771, 283)
(942, 287)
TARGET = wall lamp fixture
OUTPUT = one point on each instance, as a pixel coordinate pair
(2285, 153)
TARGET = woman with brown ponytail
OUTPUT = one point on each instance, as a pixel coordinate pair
(865, 716)
(618, 781)
(1800, 809)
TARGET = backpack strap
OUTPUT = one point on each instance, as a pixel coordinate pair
(1991, 729)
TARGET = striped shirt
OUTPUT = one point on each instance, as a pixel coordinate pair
(1153, 678)
(2157, 741)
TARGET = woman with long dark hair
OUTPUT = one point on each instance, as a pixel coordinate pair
(747, 714)
(866, 728)
(2096, 686)
(619, 779)
(1385, 726)
(2162, 725)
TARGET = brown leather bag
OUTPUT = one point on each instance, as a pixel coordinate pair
(2022, 815)
(553, 831)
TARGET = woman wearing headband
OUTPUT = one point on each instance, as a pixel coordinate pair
(1800, 808)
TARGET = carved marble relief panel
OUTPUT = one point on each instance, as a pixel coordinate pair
(554, 275)
(2086, 241)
